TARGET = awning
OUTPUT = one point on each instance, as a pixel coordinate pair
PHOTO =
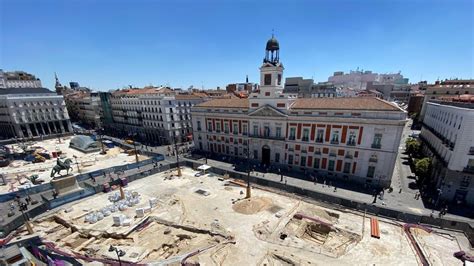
(204, 167)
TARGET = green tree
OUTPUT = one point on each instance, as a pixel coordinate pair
(423, 168)
(413, 147)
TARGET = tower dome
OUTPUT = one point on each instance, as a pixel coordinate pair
(272, 51)
(272, 44)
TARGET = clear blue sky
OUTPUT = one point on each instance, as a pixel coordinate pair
(112, 43)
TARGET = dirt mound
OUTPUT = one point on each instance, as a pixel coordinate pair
(320, 213)
(252, 205)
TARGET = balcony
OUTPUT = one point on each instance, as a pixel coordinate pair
(291, 138)
(471, 151)
(291, 149)
(351, 143)
(376, 146)
(469, 169)
(304, 151)
(334, 141)
(332, 154)
(305, 139)
(348, 156)
(319, 140)
(373, 160)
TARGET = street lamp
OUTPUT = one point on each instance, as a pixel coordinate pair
(23, 208)
(176, 151)
(119, 252)
(100, 131)
(248, 195)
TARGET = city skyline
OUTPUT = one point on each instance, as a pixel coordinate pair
(209, 44)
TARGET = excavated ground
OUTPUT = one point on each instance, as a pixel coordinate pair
(211, 216)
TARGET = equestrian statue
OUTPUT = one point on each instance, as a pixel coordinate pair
(66, 165)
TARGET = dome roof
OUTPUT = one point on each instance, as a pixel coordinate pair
(272, 44)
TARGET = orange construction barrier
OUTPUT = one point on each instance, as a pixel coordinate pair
(374, 227)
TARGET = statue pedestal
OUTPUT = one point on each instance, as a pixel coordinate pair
(66, 185)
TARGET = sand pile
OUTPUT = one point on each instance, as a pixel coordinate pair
(321, 214)
(252, 205)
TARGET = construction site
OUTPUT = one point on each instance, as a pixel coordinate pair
(206, 219)
(29, 163)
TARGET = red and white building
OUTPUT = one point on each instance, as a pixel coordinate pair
(356, 139)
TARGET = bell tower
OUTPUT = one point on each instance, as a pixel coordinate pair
(270, 92)
(271, 71)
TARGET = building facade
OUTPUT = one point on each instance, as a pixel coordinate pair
(84, 107)
(415, 103)
(447, 133)
(355, 139)
(446, 88)
(153, 115)
(306, 88)
(32, 112)
(18, 79)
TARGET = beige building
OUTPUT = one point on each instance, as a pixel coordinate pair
(84, 107)
(355, 139)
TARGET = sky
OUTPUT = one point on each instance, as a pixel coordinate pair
(111, 44)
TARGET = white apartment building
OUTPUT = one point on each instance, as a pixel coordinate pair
(156, 115)
(32, 112)
(354, 139)
(84, 107)
(446, 88)
(18, 79)
(358, 79)
(448, 132)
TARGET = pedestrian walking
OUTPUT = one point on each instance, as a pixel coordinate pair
(324, 183)
(286, 180)
(281, 177)
(335, 189)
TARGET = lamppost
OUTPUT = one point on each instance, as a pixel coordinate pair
(100, 132)
(23, 208)
(77, 164)
(248, 194)
(133, 136)
(176, 151)
(119, 252)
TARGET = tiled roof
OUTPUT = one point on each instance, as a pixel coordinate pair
(226, 103)
(189, 96)
(367, 104)
(146, 90)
